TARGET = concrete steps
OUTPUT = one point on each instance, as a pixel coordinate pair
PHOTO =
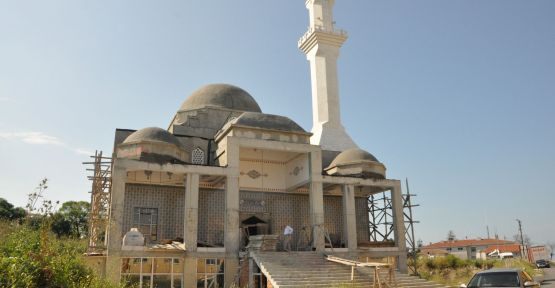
(311, 269)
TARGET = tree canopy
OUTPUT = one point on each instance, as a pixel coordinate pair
(71, 219)
(9, 212)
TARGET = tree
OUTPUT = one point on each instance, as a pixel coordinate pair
(526, 240)
(60, 225)
(18, 213)
(5, 209)
(9, 212)
(72, 219)
(451, 236)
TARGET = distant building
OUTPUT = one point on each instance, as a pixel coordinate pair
(502, 251)
(539, 252)
(468, 248)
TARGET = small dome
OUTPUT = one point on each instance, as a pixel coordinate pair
(152, 134)
(268, 121)
(222, 96)
(356, 162)
(351, 156)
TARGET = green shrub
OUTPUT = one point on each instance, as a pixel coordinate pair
(484, 264)
(35, 258)
(447, 262)
(431, 264)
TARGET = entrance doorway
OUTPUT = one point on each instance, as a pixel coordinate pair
(253, 225)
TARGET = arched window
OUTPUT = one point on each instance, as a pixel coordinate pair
(197, 157)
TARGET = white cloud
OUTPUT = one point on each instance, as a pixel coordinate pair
(40, 138)
(83, 151)
(32, 138)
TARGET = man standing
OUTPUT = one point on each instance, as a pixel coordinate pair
(287, 232)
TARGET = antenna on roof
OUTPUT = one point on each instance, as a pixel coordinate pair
(486, 220)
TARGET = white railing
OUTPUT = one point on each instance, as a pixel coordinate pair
(319, 28)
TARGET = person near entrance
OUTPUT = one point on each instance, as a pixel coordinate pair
(287, 234)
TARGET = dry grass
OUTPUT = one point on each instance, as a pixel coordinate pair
(6, 228)
(453, 272)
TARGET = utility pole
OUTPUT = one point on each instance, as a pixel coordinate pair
(521, 238)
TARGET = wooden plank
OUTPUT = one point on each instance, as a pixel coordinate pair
(376, 265)
(357, 263)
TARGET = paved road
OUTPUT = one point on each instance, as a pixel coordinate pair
(549, 277)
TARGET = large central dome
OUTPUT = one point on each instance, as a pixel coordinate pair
(221, 96)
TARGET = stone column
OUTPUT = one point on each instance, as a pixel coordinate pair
(251, 273)
(399, 226)
(349, 217)
(231, 236)
(316, 201)
(190, 272)
(115, 224)
(190, 228)
(232, 233)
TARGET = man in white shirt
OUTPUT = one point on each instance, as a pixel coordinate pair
(287, 233)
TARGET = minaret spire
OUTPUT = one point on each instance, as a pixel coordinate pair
(321, 45)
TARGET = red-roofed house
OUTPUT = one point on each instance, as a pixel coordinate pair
(468, 248)
(503, 251)
(508, 248)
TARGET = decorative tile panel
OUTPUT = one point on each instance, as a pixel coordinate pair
(254, 174)
(167, 199)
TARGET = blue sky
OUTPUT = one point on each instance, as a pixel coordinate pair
(458, 96)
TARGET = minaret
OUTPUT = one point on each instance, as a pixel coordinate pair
(321, 45)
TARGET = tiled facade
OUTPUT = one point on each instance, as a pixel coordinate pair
(363, 220)
(278, 209)
(211, 217)
(169, 201)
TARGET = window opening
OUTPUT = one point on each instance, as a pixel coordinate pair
(152, 272)
(197, 157)
(210, 273)
(146, 220)
(259, 280)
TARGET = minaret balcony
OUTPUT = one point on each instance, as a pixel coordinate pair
(320, 34)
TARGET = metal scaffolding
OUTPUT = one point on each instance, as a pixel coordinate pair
(100, 201)
(380, 214)
(409, 227)
(381, 217)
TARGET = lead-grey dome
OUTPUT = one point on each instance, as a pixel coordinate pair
(356, 162)
(222, 96)
(352, 155)
(152, 134)
(268, 121)
(153, 144)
